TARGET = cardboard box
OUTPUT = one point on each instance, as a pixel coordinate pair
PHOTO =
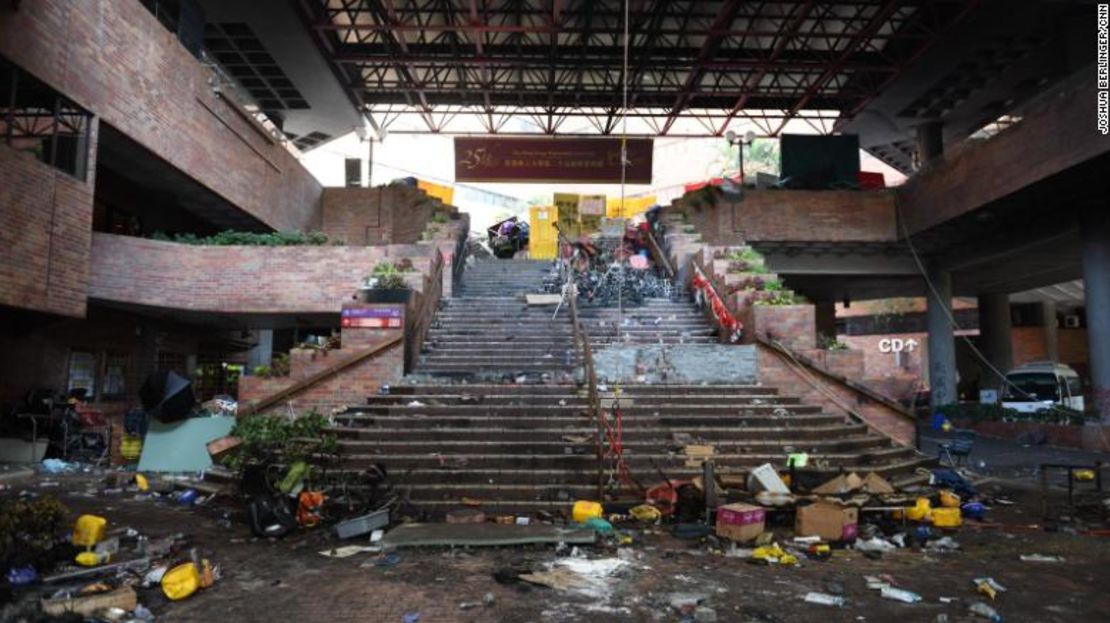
(740, 522)
(828, 520)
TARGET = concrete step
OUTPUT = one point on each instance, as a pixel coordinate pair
(630, 412)
(809, 436)
(577, 398)
(669, 390)
(638, 462)
(676, 423)
(438, 440)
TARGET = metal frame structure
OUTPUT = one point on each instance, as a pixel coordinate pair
(555, 66)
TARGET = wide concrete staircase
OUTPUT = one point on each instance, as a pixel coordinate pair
(495, 410)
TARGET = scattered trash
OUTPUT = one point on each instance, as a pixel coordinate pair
(874, 544)
(740, 522)
(988, 587)
(899, 594)
(981, 609)
(185, 579)
(57, 466)
(387, 560)
(22, 576)
(358, 526)
(1041, 558)
(773, 554)
(646, 513)
(943, 544)
(824, 599)
(123, 598)
(410, 617)
(765, 478)
(350, 550)
(584, 510)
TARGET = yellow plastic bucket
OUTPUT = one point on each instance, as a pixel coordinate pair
(130, 447)
(585, 510)
(181, 581)
(949, 499)
(947, 517)
(920, 511)
(89, 530)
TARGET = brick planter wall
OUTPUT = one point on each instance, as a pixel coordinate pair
(301, 279)
(774, 371)
(349, 386)
(793, 325)
(846, 363)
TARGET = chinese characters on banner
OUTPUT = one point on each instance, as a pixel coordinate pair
(569, 160)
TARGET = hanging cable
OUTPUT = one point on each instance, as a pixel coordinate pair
(946, 307)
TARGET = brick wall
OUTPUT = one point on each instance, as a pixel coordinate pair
(793, 325)
(115, 59)
(299, 279)
(45, 230)
(774, 371)
(896, 376)
(793, 215)
(350, 386)
(1054, 128)
(379, 215)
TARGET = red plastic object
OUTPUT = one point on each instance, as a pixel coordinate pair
(869, 180)
(664, 497)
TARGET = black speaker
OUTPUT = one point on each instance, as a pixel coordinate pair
(820, 162)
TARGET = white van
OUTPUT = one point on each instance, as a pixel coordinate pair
(1040, 385)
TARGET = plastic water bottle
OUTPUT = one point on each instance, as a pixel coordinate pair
(985, 611)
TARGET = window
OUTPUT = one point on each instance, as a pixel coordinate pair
(82, 373)
(1032, 387)
(114, 380)
(37, 119)
(1075, 386)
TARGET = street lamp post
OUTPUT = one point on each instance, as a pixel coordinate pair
(735, 139)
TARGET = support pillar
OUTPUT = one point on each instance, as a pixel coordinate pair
(930, 142)
(262, 353)
(1096, 283)
(942, 345)
(994, 337)
(1051, 337)
(825, 317)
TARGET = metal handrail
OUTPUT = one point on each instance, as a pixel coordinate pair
(586, 354)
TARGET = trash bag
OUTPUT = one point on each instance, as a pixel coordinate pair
(270, 516)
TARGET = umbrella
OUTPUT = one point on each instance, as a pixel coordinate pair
(167, 396)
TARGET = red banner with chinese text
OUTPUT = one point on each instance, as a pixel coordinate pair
(569, 160)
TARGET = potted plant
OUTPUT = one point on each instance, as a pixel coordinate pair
(386, 284)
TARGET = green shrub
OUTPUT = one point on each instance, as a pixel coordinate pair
(249, 239)
(389, 276)
(268, 438)
(29, 531)
(830, 342)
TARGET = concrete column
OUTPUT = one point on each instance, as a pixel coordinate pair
(994, 337)
(942, 345)
(262, 354)
(825, 316)
(930, 141)
(1096, 283)
(1051, 338)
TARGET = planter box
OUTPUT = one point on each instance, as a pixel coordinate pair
(846, 363)
(382, 295)
(793, 325)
